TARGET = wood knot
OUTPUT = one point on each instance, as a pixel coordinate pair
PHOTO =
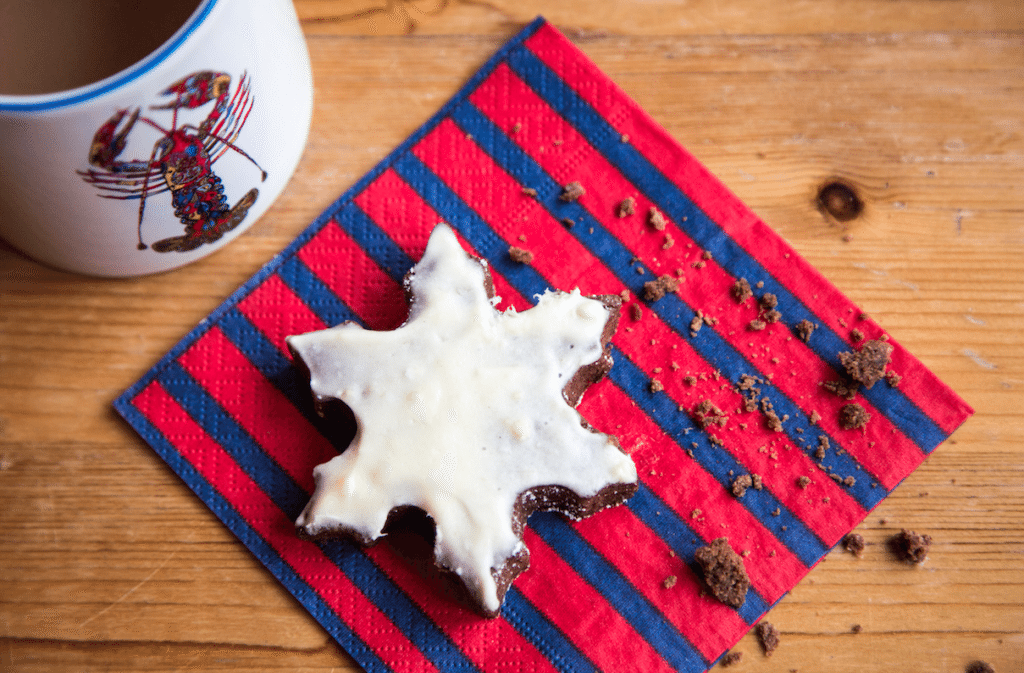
(840, 201)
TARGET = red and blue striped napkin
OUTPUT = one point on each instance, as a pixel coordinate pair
(619, 591)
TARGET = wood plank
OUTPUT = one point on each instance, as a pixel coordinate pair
(110, 563)
(652, 17)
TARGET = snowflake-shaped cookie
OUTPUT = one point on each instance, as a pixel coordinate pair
(468, 414)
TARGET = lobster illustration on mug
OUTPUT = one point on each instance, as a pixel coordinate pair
(181, 161)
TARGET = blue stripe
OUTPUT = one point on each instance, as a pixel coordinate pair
(372, 239)
(671, 309)
(399, 608)
(786, 527)
(545, 636)
(264, 355)
(245, 450)
(660, 518)
(314, 293)
(900, 410)
(454, 210)
(291, 498)
(645, 619)
(280, 372)
(255, 542)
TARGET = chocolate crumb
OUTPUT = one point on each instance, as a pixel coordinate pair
(517, 127)
(856, 334)
(768, 301)
(723, 572)
(706, 254)
(856, 628)
(756, 325)
(804, 329)
(854, 543)
(695, 324)
(814, 417)
(635, 312)
(706, 413)
(771, 418)
(626, 207)
(892, 378)
(867, 365)
(624, 295)
(529, 191)
(853, 416)
(979, 667)
(568, 222)
(656, 386)
(572, 191)
(658, 288)
(910, 547)
(769, 637)
(520, 255)
(732, 658)
(748, 382)
(669, 242)
(669, 581)
(741, 291)
(656, 219)
(740, 485)
(757, 482)
(843, 388)
(849, 481)
(802, 481)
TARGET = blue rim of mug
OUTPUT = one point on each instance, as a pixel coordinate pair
(59, 99)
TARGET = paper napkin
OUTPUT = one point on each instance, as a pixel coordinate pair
(619, 591)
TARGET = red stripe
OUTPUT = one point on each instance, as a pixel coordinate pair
(398, 209)
(276, 311)
(258, 406)
(336, 259)
(649, 343)
(943, 405)
(685, 604)
(574, 607)
(488, 643)
(693, 494)
(305, 558)
(706, 288)
(518, 219)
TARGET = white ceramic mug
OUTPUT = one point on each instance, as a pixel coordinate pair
(180, 145)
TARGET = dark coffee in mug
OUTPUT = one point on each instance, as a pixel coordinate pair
(55, 45)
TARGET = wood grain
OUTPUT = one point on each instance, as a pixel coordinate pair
(108, 562)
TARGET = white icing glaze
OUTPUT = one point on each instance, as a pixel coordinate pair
(459, 411)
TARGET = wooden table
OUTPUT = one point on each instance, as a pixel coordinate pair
(109, 563)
